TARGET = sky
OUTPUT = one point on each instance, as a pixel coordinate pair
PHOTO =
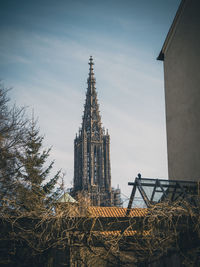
(44, 51)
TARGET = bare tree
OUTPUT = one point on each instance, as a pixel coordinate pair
(12, 128)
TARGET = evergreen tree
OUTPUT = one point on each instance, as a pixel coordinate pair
(35, 192)
(24, 172)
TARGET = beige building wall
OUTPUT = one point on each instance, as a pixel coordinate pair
(182, 93)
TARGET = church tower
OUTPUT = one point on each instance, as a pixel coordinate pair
(92, 175)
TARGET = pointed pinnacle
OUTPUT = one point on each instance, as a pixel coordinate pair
(91, 61)
(91, 65)
(91, 78)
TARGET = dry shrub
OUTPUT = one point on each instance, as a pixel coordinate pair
(168, 228)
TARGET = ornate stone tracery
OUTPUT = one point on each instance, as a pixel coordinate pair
(92, 174)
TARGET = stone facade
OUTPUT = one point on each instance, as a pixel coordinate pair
(181, 57)
(92, 173)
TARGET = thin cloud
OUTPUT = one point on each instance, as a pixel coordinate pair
(131, 105)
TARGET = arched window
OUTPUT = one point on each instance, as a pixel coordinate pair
(95, 165)
(88, 164)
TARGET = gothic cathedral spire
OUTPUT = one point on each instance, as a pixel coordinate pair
(92, 175)
(91, 119)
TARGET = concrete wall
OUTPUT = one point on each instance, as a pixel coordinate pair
(182, 94)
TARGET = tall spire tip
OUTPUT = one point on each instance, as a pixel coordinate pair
(91, 61)
(91, 78)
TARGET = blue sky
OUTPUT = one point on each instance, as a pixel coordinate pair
(44, 51)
